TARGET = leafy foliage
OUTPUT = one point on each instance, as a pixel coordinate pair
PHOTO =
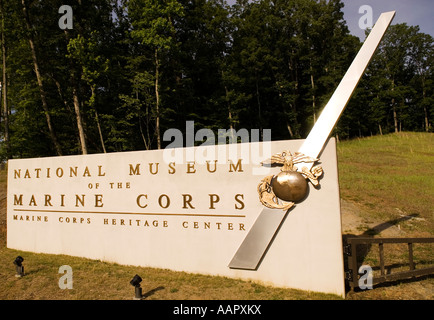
(135, 68)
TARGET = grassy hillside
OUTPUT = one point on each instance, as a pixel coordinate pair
(389, 178)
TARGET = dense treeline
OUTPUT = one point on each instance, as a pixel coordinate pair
(130, 69)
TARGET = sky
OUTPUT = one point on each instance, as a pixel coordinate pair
(412, 12)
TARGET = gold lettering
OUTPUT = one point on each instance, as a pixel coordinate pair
(237, 167)
(73, 171)
(215, 166)
(37, 172)
(17, 173)
(27, 174)
(77, 199)
(100, 174)
(62, 200)
(98, 201)
(185, 224)
(172, 167)
(241, 207)
(86, 172)
(138, 200)
(18, 201)
(150, 168)
(213, 198)
(167, 201)
(136, 170)
(190, 167)
(187, 201)
(32, 201)
(48, 200)
(59, 172)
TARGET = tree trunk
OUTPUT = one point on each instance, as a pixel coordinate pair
(258, 100)
(92, 88)
(312, 82)
(157, 99)
(425, 109)
(142, 134)
(100, 132)
(395, 115)
(76, 102)
(78, 116)
(40, 81)
(228, 103)
(92, 105)
(292, 66)
(61, 96)
(427, 125)
(3, 87)
(290, 130)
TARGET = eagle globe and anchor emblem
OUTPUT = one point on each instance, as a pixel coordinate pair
(290, 186)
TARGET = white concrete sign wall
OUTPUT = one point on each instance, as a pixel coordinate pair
(181, 209)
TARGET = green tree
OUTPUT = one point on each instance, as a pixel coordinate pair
(422, 59)
(39, 77)
(93, 66)
(153, 23)
(399, 81)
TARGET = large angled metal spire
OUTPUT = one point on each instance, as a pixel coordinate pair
(255, 244)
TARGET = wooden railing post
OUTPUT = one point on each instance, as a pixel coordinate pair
(380, 246)
(410, 255)
(351, 252)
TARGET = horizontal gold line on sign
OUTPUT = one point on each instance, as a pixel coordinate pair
(138, 213)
